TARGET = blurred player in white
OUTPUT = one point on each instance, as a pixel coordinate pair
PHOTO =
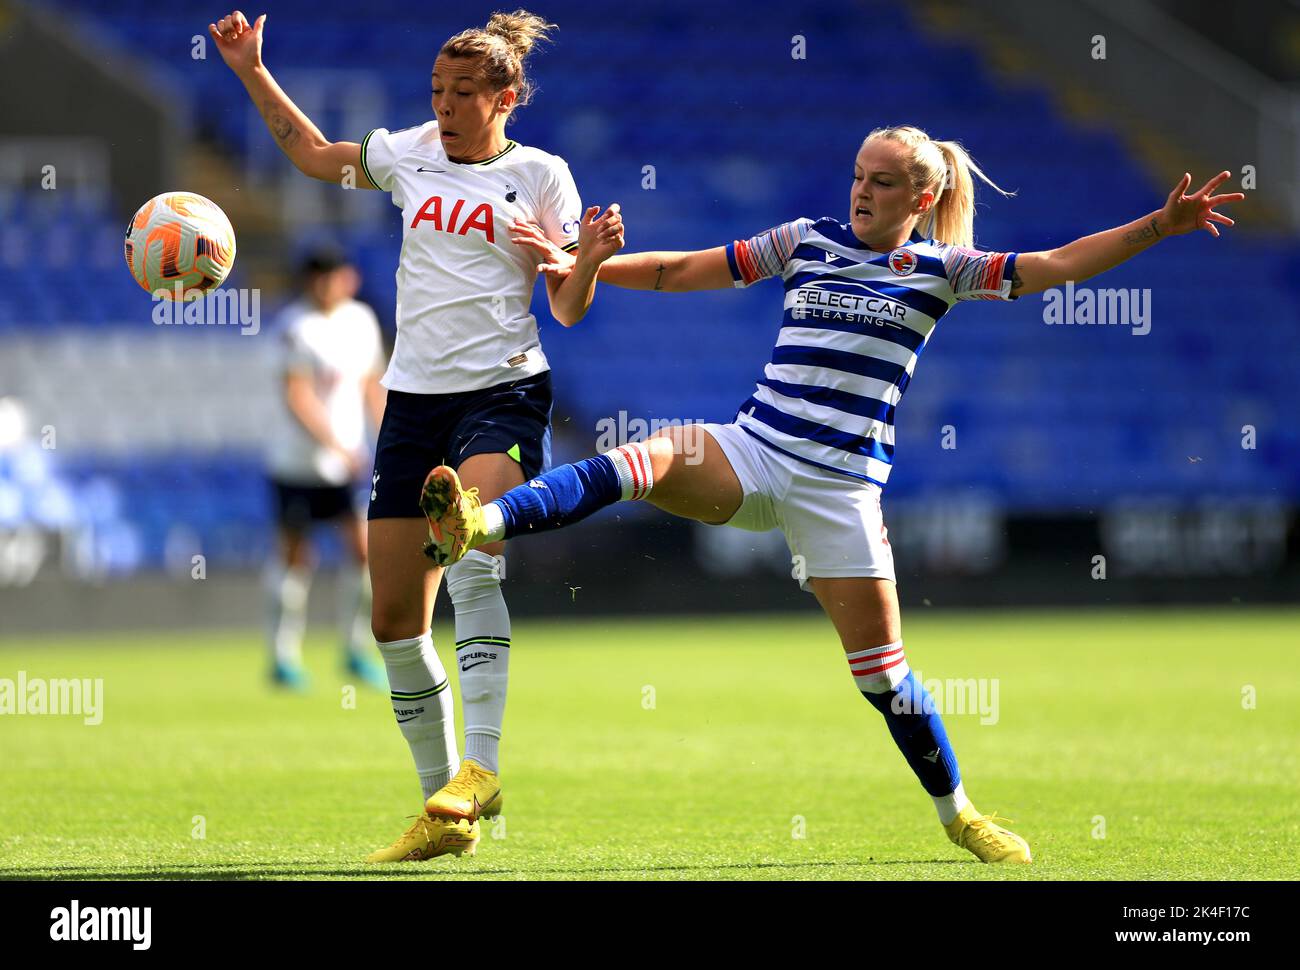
(469, 386)
(329, 357)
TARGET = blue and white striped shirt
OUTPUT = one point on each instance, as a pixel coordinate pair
(855, 323)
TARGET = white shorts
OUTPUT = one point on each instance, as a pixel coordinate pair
(832, 523)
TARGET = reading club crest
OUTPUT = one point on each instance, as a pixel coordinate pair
(902, 262)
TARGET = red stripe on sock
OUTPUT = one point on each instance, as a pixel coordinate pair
(643, 461)
(638, 473)
(632, 469)
(876, 670)
(875, 665)
(875, 654)
(875, 657)
(866, 671)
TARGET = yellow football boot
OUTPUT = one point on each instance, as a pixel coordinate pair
(989, 841)
(474, 792)
(428, 837)
(455, 516)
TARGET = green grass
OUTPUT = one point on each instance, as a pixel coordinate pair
(1137, 717)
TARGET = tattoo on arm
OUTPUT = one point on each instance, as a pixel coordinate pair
(1017, 284)
(1147, 233)
(659, 277)
(283, 129)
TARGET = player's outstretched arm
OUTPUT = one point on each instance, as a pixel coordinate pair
(671, 272)
(240, 46)
(1086, 257)
(571, 293)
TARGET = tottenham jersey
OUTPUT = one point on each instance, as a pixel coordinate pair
(855, 323)
(339, 352)
(463, 288)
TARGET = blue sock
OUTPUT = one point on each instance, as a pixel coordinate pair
(560, 497)
(919, 733)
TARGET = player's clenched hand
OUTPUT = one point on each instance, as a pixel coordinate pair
(1187, 213)
(599, 239)
(239, 43)
(555, 261)
(353, 461)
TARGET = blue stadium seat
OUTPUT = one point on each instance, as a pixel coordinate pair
(1047, 417)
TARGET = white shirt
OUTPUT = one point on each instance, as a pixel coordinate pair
(339, 352)
(463, 288)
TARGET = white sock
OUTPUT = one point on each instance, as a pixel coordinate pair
(949, 806)
(494, 521)
(423, 707)
(354, 609)
(482, 650)
(286, 594)
(635, 473)
(878, 669)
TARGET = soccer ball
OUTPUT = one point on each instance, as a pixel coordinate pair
(180, 243)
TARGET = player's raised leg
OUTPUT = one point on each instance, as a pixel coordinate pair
(865, 614)
(405, 586)
(681, 470)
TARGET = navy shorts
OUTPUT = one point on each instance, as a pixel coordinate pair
(300, 506)
(420, 431)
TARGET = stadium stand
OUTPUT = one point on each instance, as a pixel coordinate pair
(740, 136)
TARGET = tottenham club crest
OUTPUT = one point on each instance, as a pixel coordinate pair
(902, 262)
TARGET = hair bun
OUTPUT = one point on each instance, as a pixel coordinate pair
(521, 30)
(500, 48)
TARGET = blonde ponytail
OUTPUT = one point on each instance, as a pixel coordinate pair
(502, 47)
(944, 168)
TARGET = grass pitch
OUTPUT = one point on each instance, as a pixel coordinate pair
(1126, 746)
